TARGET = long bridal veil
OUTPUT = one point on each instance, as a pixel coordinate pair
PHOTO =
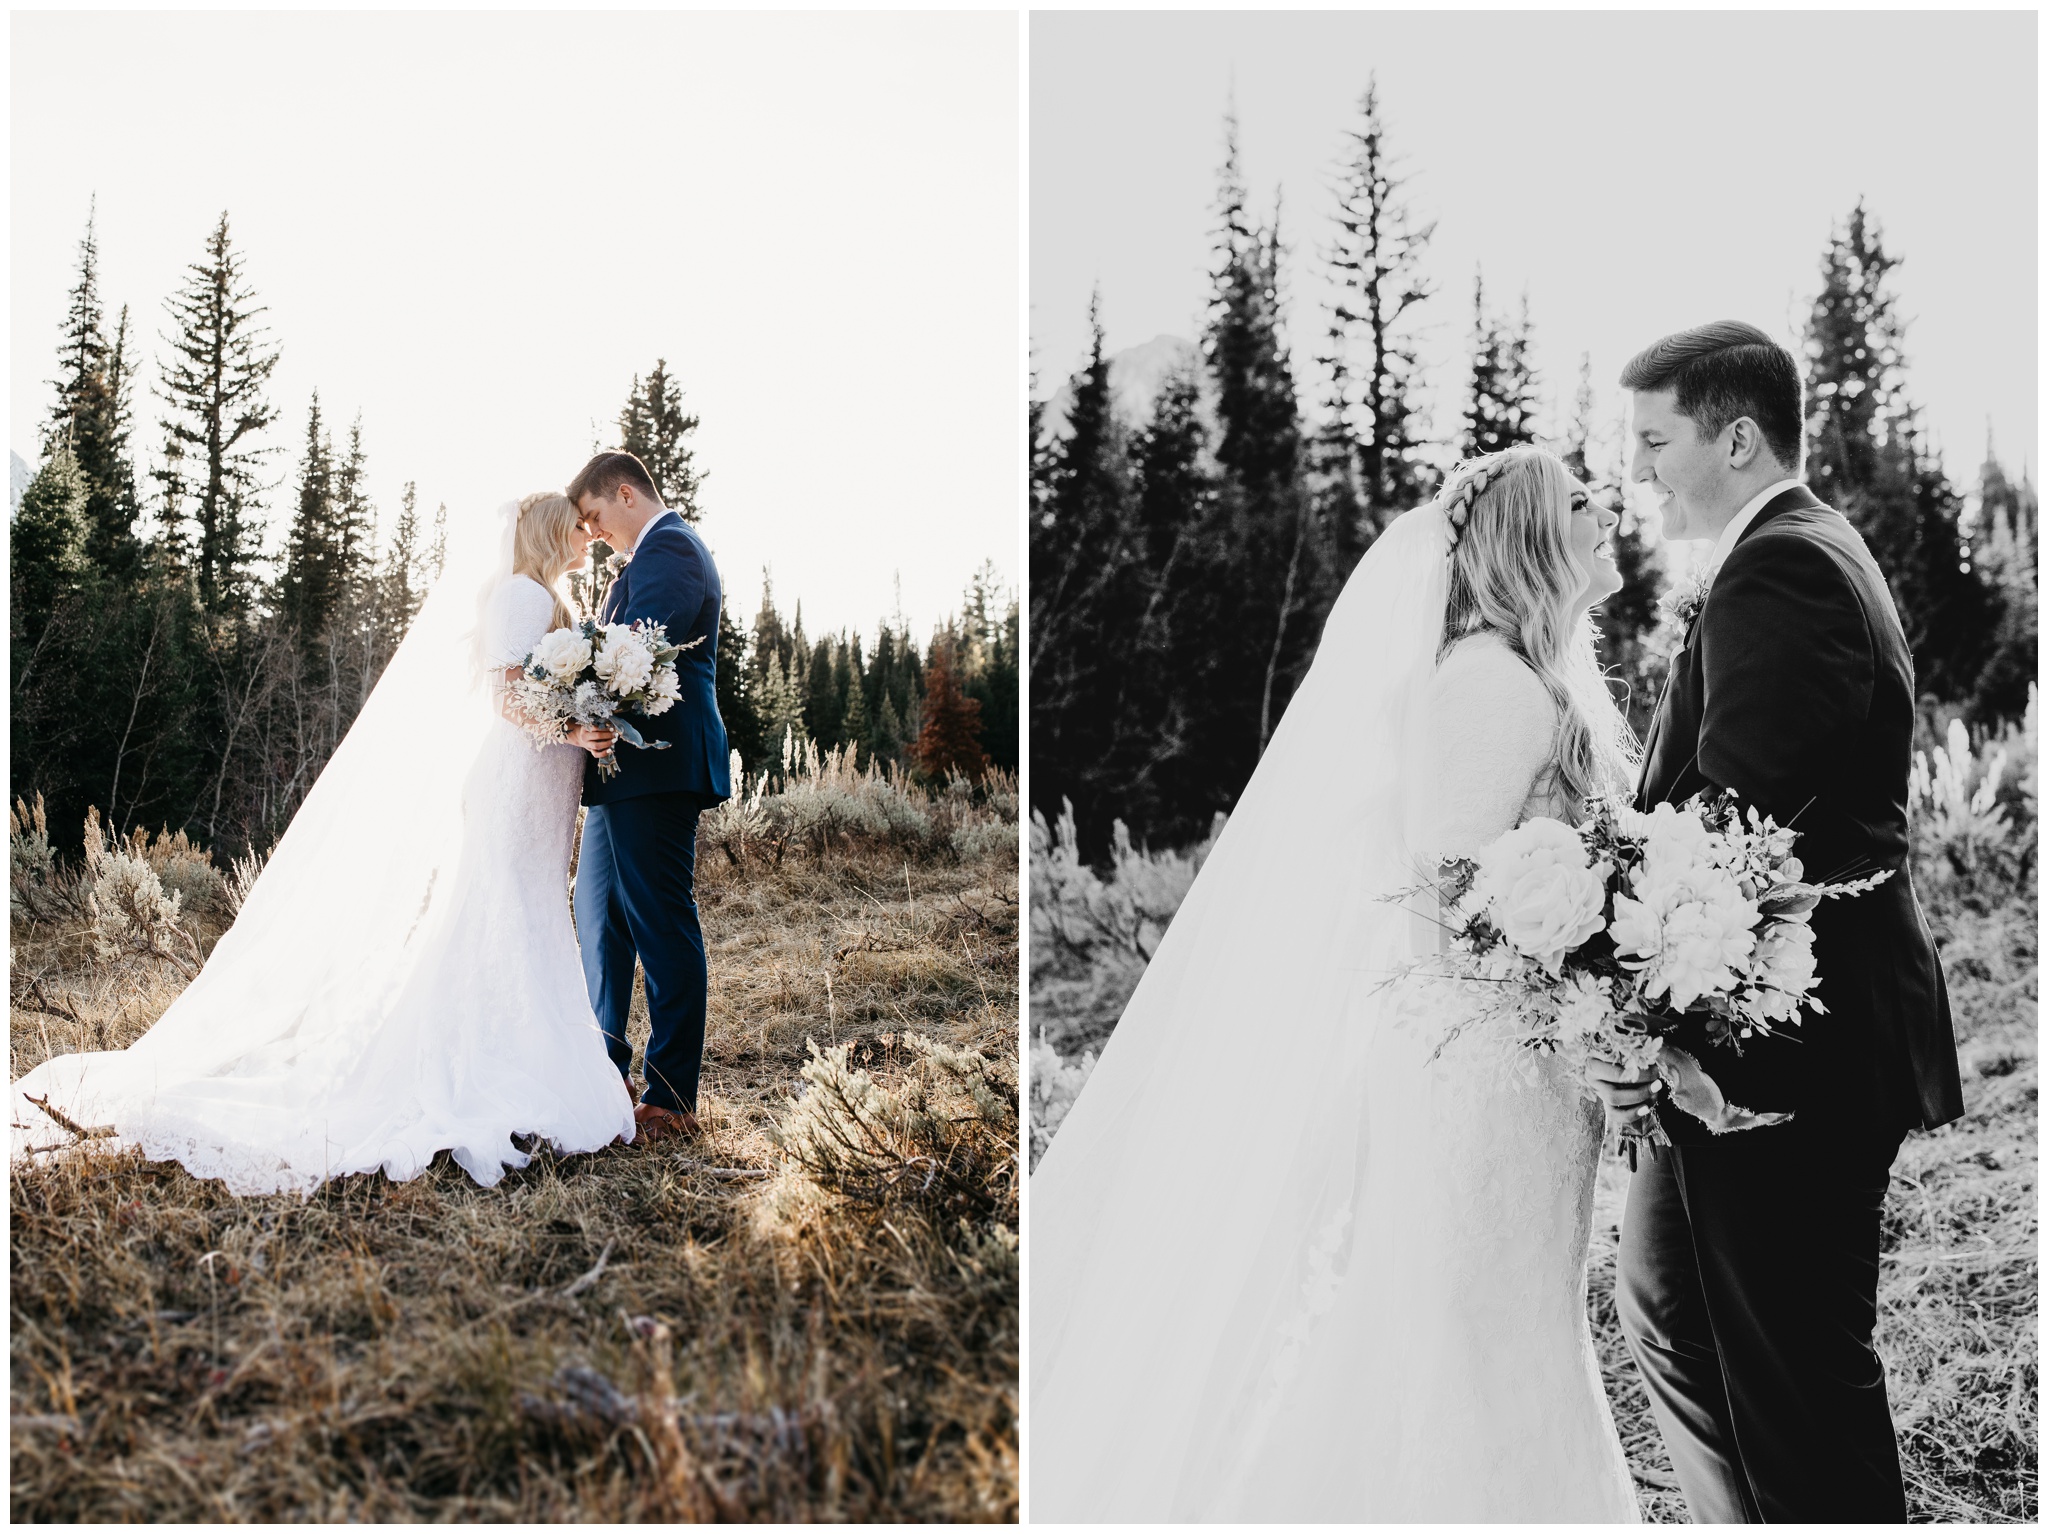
(1196, 1207)
(231, 1080)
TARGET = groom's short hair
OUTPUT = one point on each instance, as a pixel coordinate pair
(1721, 372)
(603, 475)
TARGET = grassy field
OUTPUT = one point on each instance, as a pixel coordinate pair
(809, 1314)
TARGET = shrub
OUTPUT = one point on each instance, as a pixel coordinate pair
(941, 1133)
(1973, 809)
(131, 913)
(1092, 936)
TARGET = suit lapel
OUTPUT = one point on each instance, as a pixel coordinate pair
(1797, 498)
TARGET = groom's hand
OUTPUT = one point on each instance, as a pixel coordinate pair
(597, 742)
(1627, 1094)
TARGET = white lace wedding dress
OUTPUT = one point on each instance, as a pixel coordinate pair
(404, 977)
(1289, 1268)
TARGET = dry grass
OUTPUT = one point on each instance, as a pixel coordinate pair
(644, 1333)
(1958, 1288)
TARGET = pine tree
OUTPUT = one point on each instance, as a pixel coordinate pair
(859, 729)
(1867, 456)
(312, 581)
(821, 696)
(780, 708)
(1272, 538)
(949, 737)
(214, 388)
(47, 545)
(1079, 537)
(401, 585)
(770, 644)
(90, 417)
(1502, 412)
(888, 737)
(437, 551)
(1375, 260)
(1080, 547)
(734, 690)
(654, 427)
(355, 518)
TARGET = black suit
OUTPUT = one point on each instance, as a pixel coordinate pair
(1749, 1261)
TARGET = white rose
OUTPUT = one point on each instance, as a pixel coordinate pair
(1705, 943)
(625, 662)
(1539, 891)
(562, 653)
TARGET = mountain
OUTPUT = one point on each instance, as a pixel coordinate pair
(18, 477)
(1136, 375)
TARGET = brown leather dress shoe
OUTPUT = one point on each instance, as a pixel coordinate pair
(665, 1123)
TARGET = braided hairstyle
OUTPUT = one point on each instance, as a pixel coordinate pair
(1513, 574)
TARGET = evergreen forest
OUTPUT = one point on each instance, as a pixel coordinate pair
(172, 671)
(1186, 548)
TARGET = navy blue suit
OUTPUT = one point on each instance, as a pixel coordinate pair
(635, 877)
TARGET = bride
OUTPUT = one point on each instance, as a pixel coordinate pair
(1284, 1266)
(403, 978)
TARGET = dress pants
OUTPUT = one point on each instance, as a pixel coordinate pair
(636, 898)
(1748, 1290)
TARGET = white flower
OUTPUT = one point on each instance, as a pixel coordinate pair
(1636, 929)
(624, 662)
(1704, 943)
(1539, 890)
(662, 692)
(1691, 919)
(562, 653)
(1783, 968)
(1584, 1008)
(1676, 841)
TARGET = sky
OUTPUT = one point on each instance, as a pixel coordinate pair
(1633, 173)
(476, 229)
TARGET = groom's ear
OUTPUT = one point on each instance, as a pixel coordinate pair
(1746, 444)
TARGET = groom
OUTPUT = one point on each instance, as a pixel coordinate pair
(635, 877)
(1749, 1255)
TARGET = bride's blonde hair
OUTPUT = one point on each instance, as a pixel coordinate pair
(544, 545)
(1513, 574)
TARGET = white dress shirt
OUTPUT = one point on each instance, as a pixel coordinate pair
(1735, 529)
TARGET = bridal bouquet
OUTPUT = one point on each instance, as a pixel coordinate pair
(599, 674)
(1594, 941)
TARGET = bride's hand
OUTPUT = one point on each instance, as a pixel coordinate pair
(1628, 1095)
(597, 742)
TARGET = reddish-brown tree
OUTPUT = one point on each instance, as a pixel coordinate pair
(951, 737)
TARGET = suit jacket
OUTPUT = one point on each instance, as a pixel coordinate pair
(1794, 689)
(672, 580)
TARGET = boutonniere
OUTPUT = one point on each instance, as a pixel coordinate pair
(615, 564)
(1692, 596)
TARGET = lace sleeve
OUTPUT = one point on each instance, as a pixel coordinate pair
(1495, 729)
(519, 614)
